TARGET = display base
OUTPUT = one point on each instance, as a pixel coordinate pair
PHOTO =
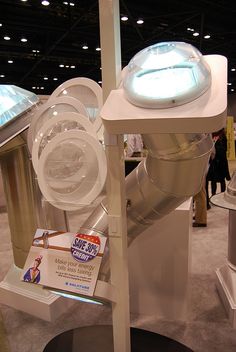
(100, 339)
(226, 286)
(160, 285)
(31, 298)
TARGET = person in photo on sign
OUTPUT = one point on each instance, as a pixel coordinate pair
(33, 274)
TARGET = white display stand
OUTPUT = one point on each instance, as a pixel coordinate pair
(226, 286)
(119, 119)
(159, 266)
(31, 298)
(226, 274)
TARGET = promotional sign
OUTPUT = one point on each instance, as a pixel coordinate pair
(65, 261)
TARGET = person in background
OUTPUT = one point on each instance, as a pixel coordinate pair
(134, 145)
(201, 199)
(200, 206)
(219, 170)
(213, 153)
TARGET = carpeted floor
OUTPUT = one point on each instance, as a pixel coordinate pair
(4, 345)
(206, 328)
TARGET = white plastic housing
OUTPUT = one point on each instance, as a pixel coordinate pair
(205, 114)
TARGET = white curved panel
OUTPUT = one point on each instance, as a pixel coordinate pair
(51, 109)
(72, 88)
(58, 124)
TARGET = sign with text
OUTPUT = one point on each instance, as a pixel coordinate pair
(65, 261)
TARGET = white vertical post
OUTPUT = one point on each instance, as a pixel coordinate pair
(109, 19)
(111, 72)
(118, 244)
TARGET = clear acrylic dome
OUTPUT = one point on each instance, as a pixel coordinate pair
(14, 101)
(166, 75)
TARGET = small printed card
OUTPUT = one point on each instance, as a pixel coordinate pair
(65, 261)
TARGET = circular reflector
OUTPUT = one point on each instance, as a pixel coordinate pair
(72, 170)
(88, 92)
(60, 123)
(51, 109)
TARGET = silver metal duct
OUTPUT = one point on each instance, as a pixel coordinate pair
(172, 172)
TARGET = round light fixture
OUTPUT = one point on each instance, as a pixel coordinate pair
(165, 75)
(45, 3)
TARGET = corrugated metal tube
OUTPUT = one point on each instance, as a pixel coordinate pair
(172, 172)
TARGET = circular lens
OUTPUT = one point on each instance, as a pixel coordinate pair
(67, 168)
(56, 125)
(52, 108)
(72, 170)
(88, 92)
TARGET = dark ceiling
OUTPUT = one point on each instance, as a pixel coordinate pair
(57, 33)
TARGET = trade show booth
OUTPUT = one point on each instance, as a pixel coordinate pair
(134, 249)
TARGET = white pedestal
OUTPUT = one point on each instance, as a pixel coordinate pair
(31, 298)
(226, 285)
(159, 264)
